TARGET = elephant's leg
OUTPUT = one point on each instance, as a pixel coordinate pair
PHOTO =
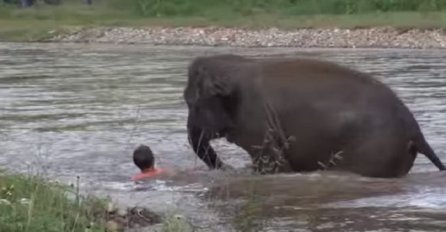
(407, 163)
(381, 156)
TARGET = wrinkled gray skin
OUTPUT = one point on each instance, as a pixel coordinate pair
(311, 109)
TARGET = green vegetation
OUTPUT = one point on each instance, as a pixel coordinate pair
(207, 8)
(247, 215)
(177, 223)
(42, 21)
(32, 204)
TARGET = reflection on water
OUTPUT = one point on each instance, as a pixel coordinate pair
(79, 110)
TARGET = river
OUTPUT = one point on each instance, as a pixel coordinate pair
(69, 110)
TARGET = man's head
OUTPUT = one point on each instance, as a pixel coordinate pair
(143, 158)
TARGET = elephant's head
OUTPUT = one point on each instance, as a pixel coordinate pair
(211, 97)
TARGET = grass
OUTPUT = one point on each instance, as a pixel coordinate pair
(246, 218)
(43, 21)
(35, 205)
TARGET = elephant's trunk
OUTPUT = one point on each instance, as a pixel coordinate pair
(199, 140)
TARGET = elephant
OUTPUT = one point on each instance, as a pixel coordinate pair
(301, 115)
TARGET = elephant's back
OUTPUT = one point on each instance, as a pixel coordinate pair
(327, 95)
(316, 79)
(301, 70)
(303, 79)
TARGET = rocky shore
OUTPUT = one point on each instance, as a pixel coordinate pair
(381, 37)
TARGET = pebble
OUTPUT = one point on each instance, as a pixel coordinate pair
(110, 207)
(25, 201)
(4, 202)
(380, 37)
(122, 212)
(113, 226)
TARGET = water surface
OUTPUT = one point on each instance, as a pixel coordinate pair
(79, 110)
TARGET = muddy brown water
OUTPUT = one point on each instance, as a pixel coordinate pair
(70, 110)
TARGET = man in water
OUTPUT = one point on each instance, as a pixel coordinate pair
(143, 158)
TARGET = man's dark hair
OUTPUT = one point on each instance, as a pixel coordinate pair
(143, 157)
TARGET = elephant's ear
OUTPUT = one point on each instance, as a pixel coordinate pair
(214, 83)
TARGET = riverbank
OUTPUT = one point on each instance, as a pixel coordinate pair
(29, 203)
(176, 32)
(315, 23)
(375, 37)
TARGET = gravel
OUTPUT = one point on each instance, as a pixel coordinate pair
(380, 37)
